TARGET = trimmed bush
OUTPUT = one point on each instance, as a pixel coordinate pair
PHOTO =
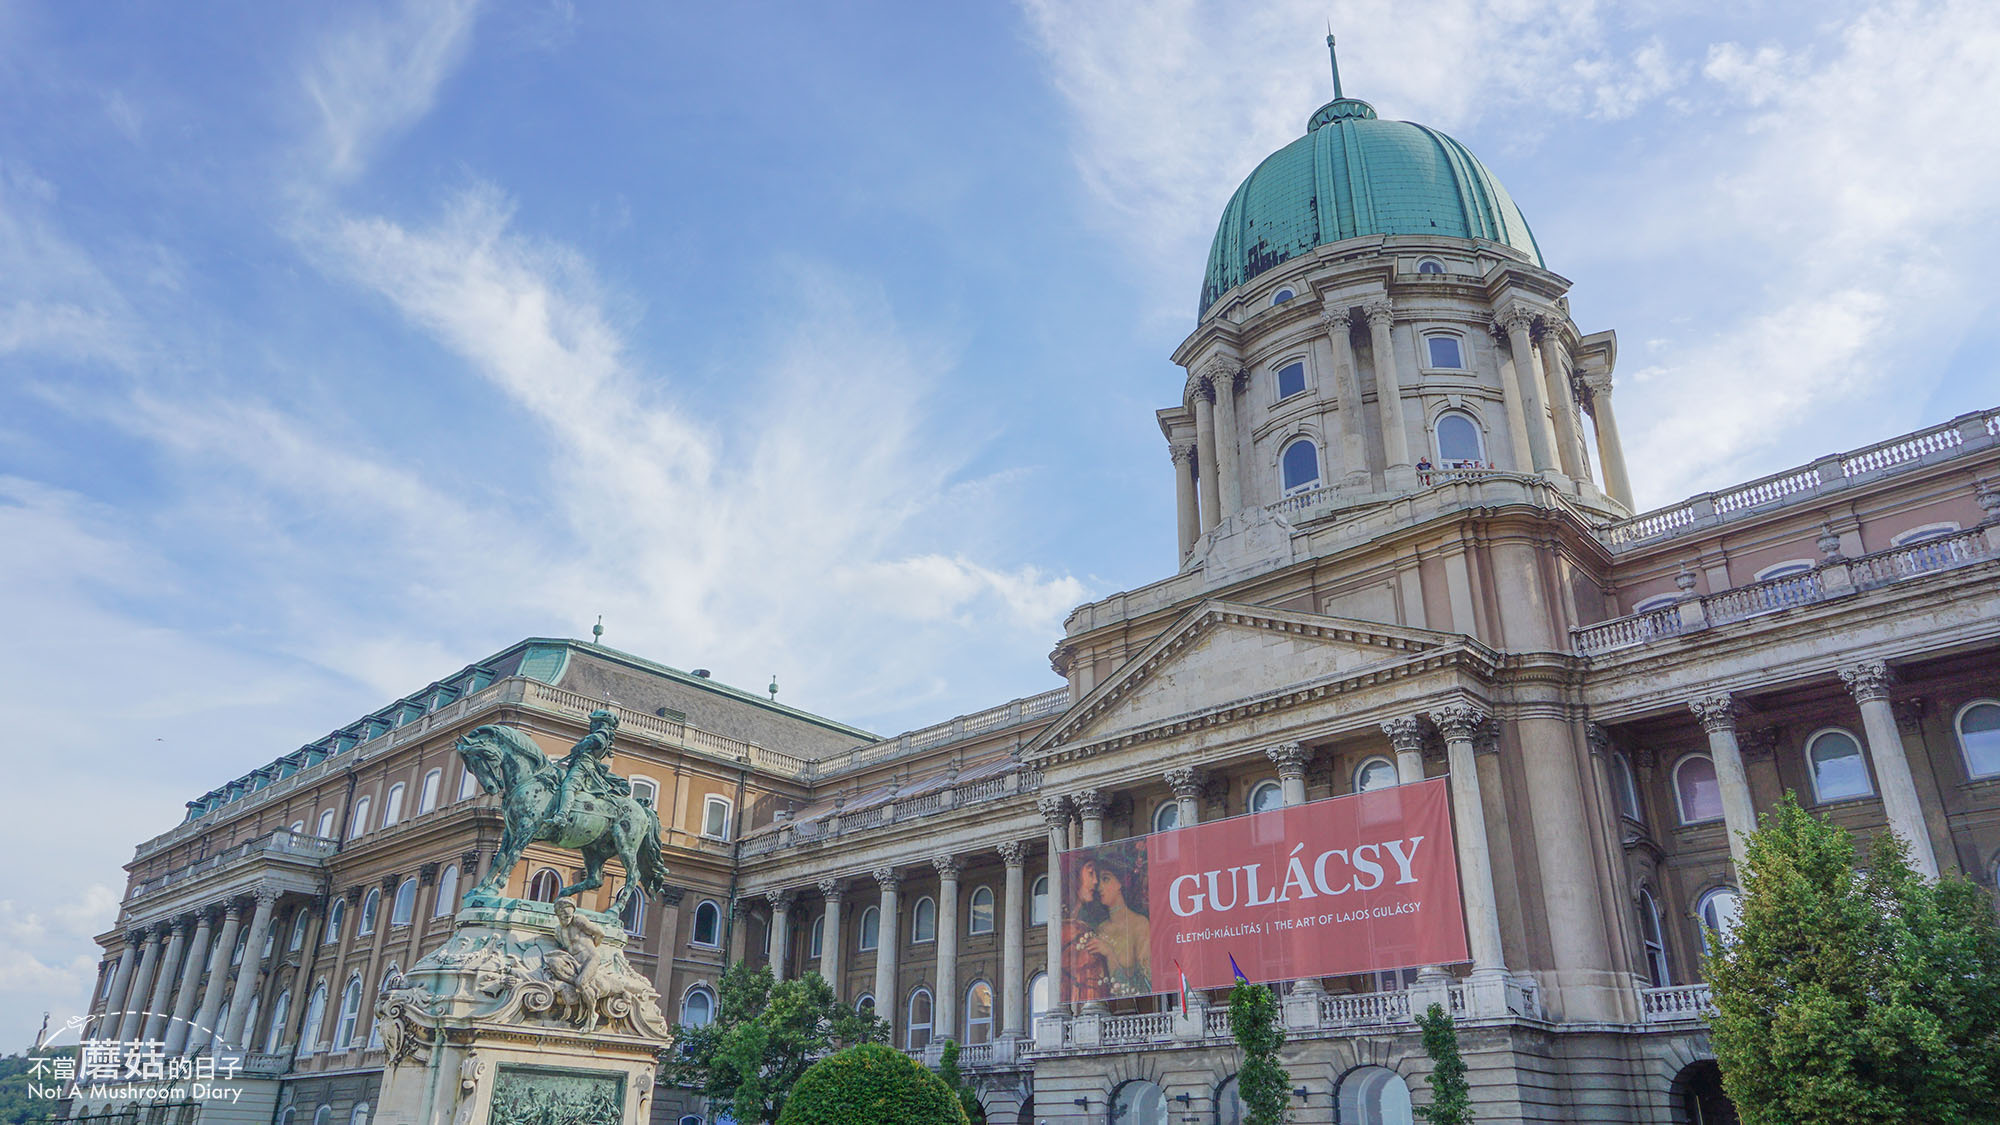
(869, 1083)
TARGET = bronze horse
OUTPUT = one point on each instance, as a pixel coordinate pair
(510, 764)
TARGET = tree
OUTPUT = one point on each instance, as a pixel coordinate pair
(763, 1038)
(1263, 1085)
(1852, 998)
(968, 1098)
(871, 1083)
(1451, 1094)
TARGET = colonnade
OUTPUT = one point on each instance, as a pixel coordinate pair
(157, 990)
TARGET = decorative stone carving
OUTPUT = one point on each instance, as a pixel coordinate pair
(427, 875)
(1685, 580)
(1598, 738)
(1186, 781)
(1197, 388)
(1518, 318)
(947, 866)
(1716, 713)
(1089, 803)
(1458, 721)
(1757, 743)
(1406, 735)
(1220, 373)
(781, 899)
(1868, 680)
(1379, 313)
(1215, 795)
(1055, 813)
(1337, 320)
(831, 889)
(1014, 853)
(1290, 758)
(1909, 714)
(888, 878)
(1829, 543)
(471, 1072)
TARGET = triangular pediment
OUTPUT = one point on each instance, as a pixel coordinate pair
(1223, 653)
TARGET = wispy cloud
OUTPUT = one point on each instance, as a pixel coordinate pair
(381, 74)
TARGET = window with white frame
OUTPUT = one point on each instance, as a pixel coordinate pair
(324, 830)
(1283, 295)
(359, 1116)
(633, 917)
(370, 907)
(865, 1003)
(697, 1007)
(427, 796)
(1374, 773)
(1919, 534)
(1657, 601)
(280, 1012)
(979, 1013)
(1444, 350)
(447, 894)
(1838, 768)
(1373, 1095)
(923, 920)
(392, 805)
(871, 928)
(1291, 379)
(816, 943)
(1719, 910)
(1265, 796)
(298, 932)
(1696, 790)
(917, 1033)
(323, 1115)
(298, 828)
(468, 785)
(1430, 266)
(1167, 817)
(350, 1011)
(359, 822)
(336, 916)
(1978, 726)
(544, 885)
(979, 912)
(1038, 997)
(1783, 570)
(1654, 938)
(1625, 788)
(715, 818)
(646, 789)
(707, 924)
(1459, 442)
(1038, 901)
(405, 907)
(1298, 466)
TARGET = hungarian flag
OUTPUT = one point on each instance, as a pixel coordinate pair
(1184, 987)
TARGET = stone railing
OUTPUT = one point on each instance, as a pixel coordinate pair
(1366, 1009)
(263, 1065)
(1675, 1002)
(1828, 474)
(280, 844)
(1145, 1027)
(841, 823)
(1837, 578)
(1458, 470)
(1215, 1023)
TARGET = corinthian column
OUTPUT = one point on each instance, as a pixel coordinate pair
(1187, 510)
(1204, 441)
(1610, 451)
(1228, 465)
(781, 931)
(1354, 468)
(1013, 941)
(1388, 390)
(1186, 782)
(1527, 425)
(1406, 735)
(1290, 758)
(1562, 405)
(151, 940)
(1717, 714)
(218, 973)
(196, 961)
(163, 981)
(253, 957)
(1055, 814)
(829, 936)
(1458, 723)
(888, 941)
(121, 984)
(1089, 805)
(945, 1021)
(1869, 682)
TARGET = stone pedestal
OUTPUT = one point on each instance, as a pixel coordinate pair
(527, 1013)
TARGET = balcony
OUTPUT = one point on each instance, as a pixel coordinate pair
(1831, 580)
(1676, 1003)
(291, 848)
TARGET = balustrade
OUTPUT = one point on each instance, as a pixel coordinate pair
(1676, 1002)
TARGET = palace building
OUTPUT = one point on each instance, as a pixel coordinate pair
(1406, 550)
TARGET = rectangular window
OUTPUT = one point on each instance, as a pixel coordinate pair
(715, 818)
(1445, 351)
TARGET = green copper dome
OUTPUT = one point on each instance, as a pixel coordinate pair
(1352, 175)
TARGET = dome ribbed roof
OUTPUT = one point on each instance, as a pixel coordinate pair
(1351, 175)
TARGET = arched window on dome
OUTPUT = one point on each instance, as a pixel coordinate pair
(1299, 465)
(1430, 265)
(1283, 295)
(1459, 444)
(1445, 350)
(1291, 379)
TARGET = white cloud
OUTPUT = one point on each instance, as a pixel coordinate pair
(381, 74)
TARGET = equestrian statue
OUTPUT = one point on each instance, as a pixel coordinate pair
(575, 802)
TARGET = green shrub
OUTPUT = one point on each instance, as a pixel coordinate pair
(871, 1083)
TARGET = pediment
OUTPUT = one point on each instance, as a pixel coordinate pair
(1223, 653)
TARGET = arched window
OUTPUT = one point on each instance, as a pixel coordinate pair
(468, 785)
(1299, 465)
(1375, 773)
(1459, 443)
(298, 932)
(289, 1117)
(350, 1011)
(1719, 910)
(1624, 788)
(250, 1020)
(979, 915)
(634, 915)
(323, 1115)
(298, 828)
(1291, 380)
(1838, 769)
(405, 906)
(1920, 534)
(715, 818)
(1655, 940)
(1228, 1103)
(979, 1013)
(359, 823)
(1978, 726)
(1374, 1095)
(697, 1007)
(544, 885)
(1038, 902)
(236, 954)
(1695, 787)
(1783, 570)
(871, 928)
(816, 942)
(1267, 795)
(1139, 1102)
(1657, 601)
(392, 805)
(280, 1012)
(427, 797)
(370, 907)
(866, 1003)
(447, 897)
(325, 828)
(1283, 295)
(1430, 266)
(707, 924)
(1445, 350)
(923, 920)
(336, 917)
(646, 789)
(1167, 817)
(1038, 997)
(917, 1031)
(360, 1114)
(690, 1119)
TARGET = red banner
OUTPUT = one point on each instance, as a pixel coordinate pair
(1352, 884)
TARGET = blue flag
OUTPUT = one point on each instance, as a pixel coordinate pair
(1238, 970)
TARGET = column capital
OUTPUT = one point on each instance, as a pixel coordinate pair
(782, 898)
(266, 896)
(1598, 383)
(136, 936)
(831, 889)
(1599, 739)
(947, 866)
(1186, 781)
(1406, 734)
(1197, 389)
(1089, 803)
(352, 894)
(1013, 853)
(1055, 812)
(181, 924)
(887, 877)
(391, 882)
(1458, 722)
(672, 896)
(1868, 680)
(427, 875)
(1220, 371)
(1380, 314)
(1716, 713)
(468, 864)
(1289, 757)
(1909, 713)
(1517, 318)
(1180, 454)
(1336, 319)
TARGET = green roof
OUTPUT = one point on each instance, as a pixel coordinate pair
(1354, 175)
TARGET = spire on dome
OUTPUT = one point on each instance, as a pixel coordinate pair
(1341, 106)
(1334, 58)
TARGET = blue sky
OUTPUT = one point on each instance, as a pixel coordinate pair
(342, 347)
